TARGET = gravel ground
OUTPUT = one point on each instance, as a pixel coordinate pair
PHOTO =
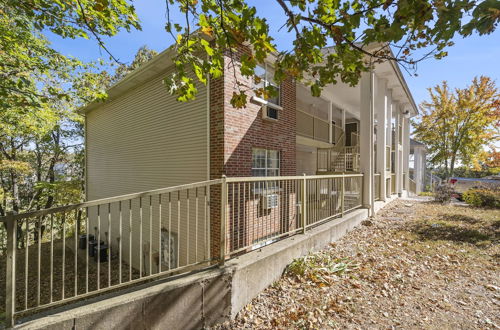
(416, 264)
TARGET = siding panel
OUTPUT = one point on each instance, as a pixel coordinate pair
(143, 140)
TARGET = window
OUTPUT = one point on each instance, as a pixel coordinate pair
(270, 113)
(266, 75)
(265, 162)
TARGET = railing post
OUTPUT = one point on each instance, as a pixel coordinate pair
(10, 290)
(342, 195)
(304, 204)
(223, 211)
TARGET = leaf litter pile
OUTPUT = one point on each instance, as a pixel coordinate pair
(416, 264)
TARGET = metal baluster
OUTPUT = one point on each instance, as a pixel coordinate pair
(169, 228)
(130, 240)
(187, 227)
(342, 194)
(120, 244)
(304, 203)
(239, 215)
(196, 228)
(140, 237)
(159, 233)
(244, 214)
(98, 247)
(255, 231)
(178, 227)
(87, 250)
(26, 263)
(267, 220)
(223, 220)
(282, 203)
(75, 254)
(150, 235)
(51, 257)
(39, 234)
(63, 259)
(286, 213)
(108, 252)
(206, 223)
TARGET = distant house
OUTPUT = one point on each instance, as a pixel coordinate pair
(141, 139)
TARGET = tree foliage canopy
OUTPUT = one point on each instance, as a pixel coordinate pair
(41, 146)
(457, 125)
(332, 38)
(26, 57)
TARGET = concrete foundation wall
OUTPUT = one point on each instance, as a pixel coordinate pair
(201, 299)
(253, 272)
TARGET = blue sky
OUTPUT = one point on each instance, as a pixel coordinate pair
(469, 57)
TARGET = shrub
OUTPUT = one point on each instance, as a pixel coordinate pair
(443, 193)
(482, 197)
(426, 193)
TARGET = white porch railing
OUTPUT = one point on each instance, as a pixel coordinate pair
(338, 159)
(63, 254)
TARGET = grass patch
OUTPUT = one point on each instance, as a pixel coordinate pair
(457, 225)
(320, 267)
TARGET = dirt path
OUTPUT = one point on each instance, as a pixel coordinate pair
(415, 265)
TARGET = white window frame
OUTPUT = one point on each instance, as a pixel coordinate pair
(266, 168)
(278, 106)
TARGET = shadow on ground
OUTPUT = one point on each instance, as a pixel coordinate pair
(457, 228)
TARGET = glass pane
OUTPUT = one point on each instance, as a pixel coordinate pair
(276, 98)
(271, 112)
(258, 158)
(273, 154)
(258, 172)
(273, 160)
(270, 76)
(273, 172)
(260, 74)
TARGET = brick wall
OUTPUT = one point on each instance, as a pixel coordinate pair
(233, 133)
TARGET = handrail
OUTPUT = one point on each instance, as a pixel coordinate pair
(294, 177)
(108, 200)
(39, 213)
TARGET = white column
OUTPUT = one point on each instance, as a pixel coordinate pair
(416, 167)
(406, 152)
(397, 151)
(388, 136)
(381, 108)
(366, 137)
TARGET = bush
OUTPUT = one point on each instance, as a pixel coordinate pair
(426, 193)
(482, 197)
(443, 193)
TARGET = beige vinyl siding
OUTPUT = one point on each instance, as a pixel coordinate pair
(143, 140)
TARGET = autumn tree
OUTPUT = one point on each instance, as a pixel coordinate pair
(456, 125)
